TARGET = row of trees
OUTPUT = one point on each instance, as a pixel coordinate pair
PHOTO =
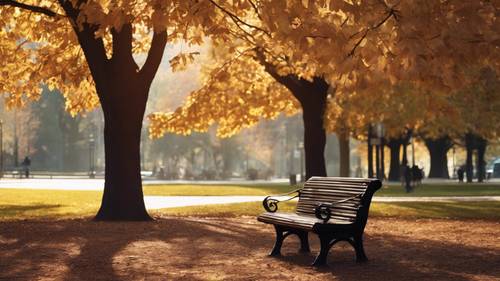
(309, 49)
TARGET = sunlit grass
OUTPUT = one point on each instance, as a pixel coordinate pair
(472, 189)
(267, 189)
(216, 190)
(55, 204)
(462, 210)
(27, 204)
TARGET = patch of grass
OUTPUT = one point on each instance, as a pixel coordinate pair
(454, 210)
(223, 210)
(26, 204)
(472, 189)
(215, 190)
(462, 210)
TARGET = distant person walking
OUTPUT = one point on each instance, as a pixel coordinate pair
(26, 164)
(460, 174)
(406, 177)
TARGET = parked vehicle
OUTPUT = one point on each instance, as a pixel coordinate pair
(493, 170)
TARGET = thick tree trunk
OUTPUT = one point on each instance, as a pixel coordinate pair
(314, 140)
(481, 163)
(123, 114)
(395, 165)
(469, 147)
(345, 163)
(312, 98)
(438, 150)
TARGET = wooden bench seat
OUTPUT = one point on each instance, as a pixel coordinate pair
(336, 209)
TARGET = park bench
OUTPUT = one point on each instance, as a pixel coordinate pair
(336, 209)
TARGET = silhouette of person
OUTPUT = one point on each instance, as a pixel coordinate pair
(407, 177)
(460, 173)
(26, 164)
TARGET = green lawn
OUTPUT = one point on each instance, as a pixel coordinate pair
(462, 210)
(219, 189)
(473, 189)
(16, 204)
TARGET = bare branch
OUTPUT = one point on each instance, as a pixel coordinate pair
(290, 81)
(42, 10)
(254, 6)
(155, 55)
(237, 19)
(391, 13)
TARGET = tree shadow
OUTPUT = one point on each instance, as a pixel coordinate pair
(7, 211)
(234, 249)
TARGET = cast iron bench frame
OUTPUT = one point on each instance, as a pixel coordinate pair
(329, 232)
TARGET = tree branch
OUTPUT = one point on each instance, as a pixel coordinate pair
(122, 45)
(32, 8)
(93, 48)
(237, 19)
(391, 13)
(155, 55)
(290, 81)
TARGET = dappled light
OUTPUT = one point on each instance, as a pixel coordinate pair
(235, 249)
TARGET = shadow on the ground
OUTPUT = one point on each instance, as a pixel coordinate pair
(8, 210)
(234, 249)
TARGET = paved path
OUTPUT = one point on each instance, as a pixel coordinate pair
(159, 202)
(98, 184)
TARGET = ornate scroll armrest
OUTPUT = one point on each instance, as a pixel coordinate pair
(270, 203)
(323, 210)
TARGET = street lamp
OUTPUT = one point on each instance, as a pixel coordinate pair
(91, 156)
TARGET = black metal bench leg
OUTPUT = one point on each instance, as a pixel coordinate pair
(323, 253)
(304, 241)
(279, 241)
(358, 247)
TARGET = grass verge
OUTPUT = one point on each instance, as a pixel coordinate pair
(473, 189)
(452, 210)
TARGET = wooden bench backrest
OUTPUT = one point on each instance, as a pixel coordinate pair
(319, 190)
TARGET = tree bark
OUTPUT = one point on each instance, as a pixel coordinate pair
(469, 147)
(312, 98)
(395, 163)
(123, 111)
(481, 163)
(438, 150)
(345, 163)
(370, 153)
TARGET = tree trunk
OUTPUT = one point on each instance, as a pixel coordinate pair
(314, 140)
(382, 159)
(370, 153)
(312, 98)
(123, 114)
(469, 146)
(345, 164)
(481, 163)
(438, 150)
(395, 165)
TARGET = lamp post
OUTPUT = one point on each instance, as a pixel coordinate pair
(91, 156)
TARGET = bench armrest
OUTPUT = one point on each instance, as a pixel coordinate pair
(323, 210)
(270, 203)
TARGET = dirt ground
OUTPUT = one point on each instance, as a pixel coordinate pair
(236, 249)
